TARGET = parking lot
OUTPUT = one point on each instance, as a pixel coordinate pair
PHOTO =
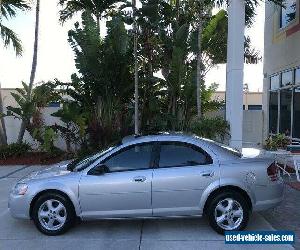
(117, 234)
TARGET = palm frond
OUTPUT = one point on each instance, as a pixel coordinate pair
(9, 37)
(9, 8)
(69, 9)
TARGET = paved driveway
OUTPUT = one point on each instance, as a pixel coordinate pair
(136, 234)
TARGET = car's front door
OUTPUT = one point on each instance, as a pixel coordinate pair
(183, 172)
(124, 190)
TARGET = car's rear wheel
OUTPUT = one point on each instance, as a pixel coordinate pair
(228, 211)
(53, 214)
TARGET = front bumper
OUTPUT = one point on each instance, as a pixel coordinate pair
(19, 206)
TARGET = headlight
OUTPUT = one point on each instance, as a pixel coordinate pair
(20, 189)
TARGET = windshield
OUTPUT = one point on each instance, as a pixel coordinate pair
(81, 163)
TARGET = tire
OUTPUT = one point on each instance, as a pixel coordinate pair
(232, 217)
(53, 214)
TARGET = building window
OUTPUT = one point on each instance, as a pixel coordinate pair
(284, 103)
(285, 111)
(296, 117)
(297, 76)
(275, 80)
(287, 78)
(288, 13)
(254, 107)
(273, 114)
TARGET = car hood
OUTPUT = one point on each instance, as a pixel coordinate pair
(47, 173)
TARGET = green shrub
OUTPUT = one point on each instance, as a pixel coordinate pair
(212, 128)
(278, 141)
(14, 150)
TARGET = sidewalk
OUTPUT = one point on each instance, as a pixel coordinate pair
(287, 215)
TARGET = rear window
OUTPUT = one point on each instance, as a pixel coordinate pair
(228, 149)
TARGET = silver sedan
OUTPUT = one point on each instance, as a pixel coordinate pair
(167, 175)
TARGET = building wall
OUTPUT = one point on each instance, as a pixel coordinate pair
(13, 125)
(252, 128)
(251, 99)
(281, 50)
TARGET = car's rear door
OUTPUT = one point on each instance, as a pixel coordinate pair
(125, 190)
(184, 170)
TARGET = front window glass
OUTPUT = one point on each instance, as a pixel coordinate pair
(82, 163)
(176, 154)
(273, 112)
(288, 13)
(296, 117)
(132, 158)
(285, 111)
(275, 82)
(287, 78)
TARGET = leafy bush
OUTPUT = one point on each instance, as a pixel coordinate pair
(212, 128)
(278, 141)
(14, 150)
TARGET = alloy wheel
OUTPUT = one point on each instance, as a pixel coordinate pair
(52, 214)
(229, 214)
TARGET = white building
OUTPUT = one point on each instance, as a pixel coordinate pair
(281, 99)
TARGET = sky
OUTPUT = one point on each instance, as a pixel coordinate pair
(56, 60)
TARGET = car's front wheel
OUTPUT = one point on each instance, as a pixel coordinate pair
(53, 214)
(228, 211)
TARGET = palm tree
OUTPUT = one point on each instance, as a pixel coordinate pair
(204, 11)
(33, 67)
(136, 84)
(199, 57)
(8, 9)
(96, 7)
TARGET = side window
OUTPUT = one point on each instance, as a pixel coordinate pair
(176, 154)
(132, 158)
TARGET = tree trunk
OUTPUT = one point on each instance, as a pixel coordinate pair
(199, 71)
(136, 84)
(33, 67)
(98, 17)
(3, 138)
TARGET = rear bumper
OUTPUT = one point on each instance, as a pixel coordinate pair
(268, 204)
(268, 196)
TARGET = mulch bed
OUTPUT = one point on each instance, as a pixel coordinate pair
(295, 185)
(34, 158)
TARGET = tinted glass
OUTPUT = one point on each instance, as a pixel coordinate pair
(174, 154)
(273, 112)
(296, 118)
(254, 107)
(134, 157)
(287, 78)
(288, 13)
(285, 111)
(275, 80)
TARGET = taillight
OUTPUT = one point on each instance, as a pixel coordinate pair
(273, 172)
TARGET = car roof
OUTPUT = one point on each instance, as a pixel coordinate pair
(158, 136)
(221, 151)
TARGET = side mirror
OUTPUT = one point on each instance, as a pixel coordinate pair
(99, 170)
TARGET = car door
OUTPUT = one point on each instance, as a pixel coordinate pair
(184, 170)
(124, 190)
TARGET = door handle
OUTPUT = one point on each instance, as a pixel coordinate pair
(139, 178)
(207, 173)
